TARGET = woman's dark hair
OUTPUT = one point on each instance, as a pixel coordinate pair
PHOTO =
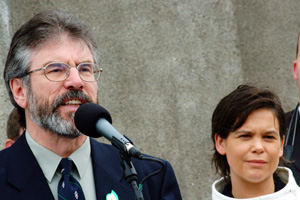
(232, 112)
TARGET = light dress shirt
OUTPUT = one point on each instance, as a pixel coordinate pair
(49, 162)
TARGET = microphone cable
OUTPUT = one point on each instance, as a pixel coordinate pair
(153, 173)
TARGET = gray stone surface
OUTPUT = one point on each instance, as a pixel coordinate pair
(167, 63)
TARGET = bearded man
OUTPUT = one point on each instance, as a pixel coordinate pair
(51, 69)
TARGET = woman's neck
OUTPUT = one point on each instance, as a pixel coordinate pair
(245, 189)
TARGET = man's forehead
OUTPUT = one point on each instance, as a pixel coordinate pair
(59, 40)
(63, 47)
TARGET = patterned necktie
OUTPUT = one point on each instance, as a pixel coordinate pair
(68, 187)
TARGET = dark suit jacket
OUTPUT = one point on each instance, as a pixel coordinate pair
(295, 165)
(22, 178)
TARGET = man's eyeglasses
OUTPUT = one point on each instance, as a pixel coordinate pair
(59, 71)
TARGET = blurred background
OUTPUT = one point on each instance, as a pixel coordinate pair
(167, 63)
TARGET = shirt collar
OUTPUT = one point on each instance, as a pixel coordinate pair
(81, 157)
(49, 161)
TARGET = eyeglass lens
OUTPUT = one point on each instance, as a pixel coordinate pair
(60, 71)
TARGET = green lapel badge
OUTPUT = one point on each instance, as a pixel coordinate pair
(112, 196)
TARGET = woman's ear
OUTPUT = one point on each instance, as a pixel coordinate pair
(19, 92)
(220, 144)
(281, 146)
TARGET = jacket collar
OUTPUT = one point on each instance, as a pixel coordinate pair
(25, 173)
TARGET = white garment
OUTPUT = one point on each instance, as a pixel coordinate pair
(291, 191)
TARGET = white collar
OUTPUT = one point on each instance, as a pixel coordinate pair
(49, 161)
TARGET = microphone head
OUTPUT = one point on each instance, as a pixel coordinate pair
(86, 117)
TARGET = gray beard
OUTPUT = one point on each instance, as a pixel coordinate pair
(48, 117)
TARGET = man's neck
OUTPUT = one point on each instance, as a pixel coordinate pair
(62, 146)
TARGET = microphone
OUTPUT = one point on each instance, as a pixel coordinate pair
(95, 121)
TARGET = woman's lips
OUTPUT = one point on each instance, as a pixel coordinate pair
(257, 163)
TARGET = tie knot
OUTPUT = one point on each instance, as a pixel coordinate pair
(66, 166)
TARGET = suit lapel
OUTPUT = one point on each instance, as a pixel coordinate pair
(28, 181)
(296, 153)
(108, 173)
(24, 173)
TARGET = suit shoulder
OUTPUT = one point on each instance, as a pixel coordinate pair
(110, 150)
(4, 153)
(105, 148)
(288, 115)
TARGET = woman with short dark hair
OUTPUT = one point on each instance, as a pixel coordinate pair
(248, 130)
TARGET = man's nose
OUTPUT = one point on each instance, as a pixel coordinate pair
(74, 81)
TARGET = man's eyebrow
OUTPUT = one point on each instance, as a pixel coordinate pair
(86, 61)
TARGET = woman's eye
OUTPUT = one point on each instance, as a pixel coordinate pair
(245, 136)
(269, 137)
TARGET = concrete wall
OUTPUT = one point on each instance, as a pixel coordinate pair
(167, 63)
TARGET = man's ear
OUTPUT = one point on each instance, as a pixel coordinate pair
(295, 70)
(19, 91)
(220, 144)
(8, 143)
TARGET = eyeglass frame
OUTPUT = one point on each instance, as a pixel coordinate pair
(68, 72)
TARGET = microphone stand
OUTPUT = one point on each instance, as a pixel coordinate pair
(129, 171)
(131, 175)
